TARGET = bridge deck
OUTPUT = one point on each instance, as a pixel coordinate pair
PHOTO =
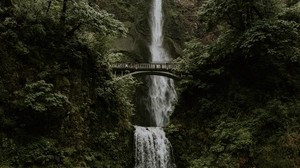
(145, 66)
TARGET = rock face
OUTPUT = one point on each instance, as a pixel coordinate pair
(134, 14)
(179, 24)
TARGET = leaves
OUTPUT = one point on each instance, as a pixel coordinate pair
(96, 19)
(40, 97)
(244, 91)
(62, 87)
(238, 14)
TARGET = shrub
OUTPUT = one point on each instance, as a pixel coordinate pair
(39, 105)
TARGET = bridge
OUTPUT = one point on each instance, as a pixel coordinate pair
(162, 69)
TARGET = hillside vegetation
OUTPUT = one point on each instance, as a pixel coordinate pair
(60, 106)
(241, 106)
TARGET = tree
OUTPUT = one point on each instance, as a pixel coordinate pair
(245, 82)
(237, 13)
(63, 12)
(60, 45)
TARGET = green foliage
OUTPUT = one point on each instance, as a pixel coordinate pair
(98, 20)
(114, 57)
(229, 141)
(117, 95)
(266, 137)
(118, 155)
(61, 87)
(129, 10)
(78, 13)
(280, 38)
(292, 13)
(41, 153)
(195, 54)
(39, 105)
(258, 54)
(37, 23)
(125, 89)
(39, 96)
(237, 13)
(46, 153)
(239, 106)
(272, 157)
(292, 2)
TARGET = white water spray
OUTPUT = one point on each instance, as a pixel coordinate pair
(152, 148)
(161, 89)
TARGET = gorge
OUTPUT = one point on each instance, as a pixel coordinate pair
(153, 149)
(62, 106)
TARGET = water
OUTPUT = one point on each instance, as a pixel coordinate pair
(161, 89)
(152, 148)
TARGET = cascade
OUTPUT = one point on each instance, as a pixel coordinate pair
(152, 148)
(161, 89)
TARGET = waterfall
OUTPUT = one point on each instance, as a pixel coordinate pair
(161, 89)
(152, 148)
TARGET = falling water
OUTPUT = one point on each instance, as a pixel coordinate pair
(153, 149)
(161, 89)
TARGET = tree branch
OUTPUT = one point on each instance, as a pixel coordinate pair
(73, 30)
(230, 21)
(63, 12)
(49, 5)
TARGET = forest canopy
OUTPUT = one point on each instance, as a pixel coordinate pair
(244, 92)
(61, 106)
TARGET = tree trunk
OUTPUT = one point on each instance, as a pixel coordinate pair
(73, 30)
(63, 12)
(49, 6)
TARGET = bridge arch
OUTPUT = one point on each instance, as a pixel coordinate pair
(159, 73)
(161, 69)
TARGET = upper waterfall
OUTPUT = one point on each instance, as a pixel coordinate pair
(158, 53)
(161, 89)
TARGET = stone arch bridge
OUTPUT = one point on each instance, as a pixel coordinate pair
(162, 69)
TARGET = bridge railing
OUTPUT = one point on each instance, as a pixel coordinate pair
(146, 66)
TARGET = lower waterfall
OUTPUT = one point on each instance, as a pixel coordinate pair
(153, 149)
